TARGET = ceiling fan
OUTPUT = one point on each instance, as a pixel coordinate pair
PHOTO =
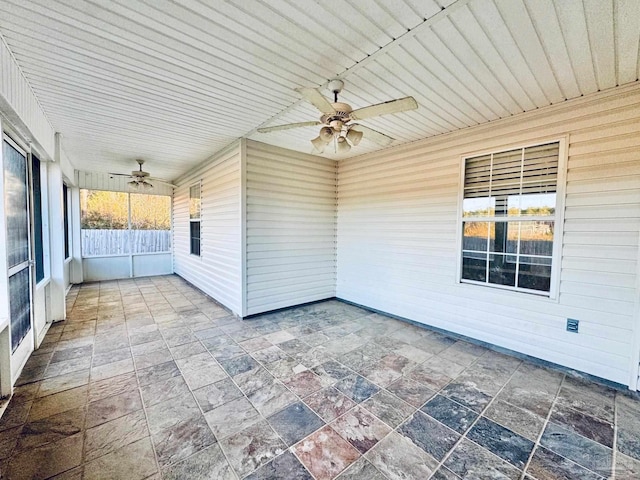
(337, 118)
(141, 179)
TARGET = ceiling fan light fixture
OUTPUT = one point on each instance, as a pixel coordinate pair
(354, 136)
(343, 146)
(319, 144)
(326, 134)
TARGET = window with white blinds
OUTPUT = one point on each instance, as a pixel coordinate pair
(508, 218)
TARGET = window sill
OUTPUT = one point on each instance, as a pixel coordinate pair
(478, 287)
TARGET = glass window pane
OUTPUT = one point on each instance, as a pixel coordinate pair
(513, 205)
(511, 233)
(474, 266)
(15, 203)
(475, 236)
(478, 207)
(536, 238)
(535, 273)
(104, 222)
(195, 237)
(20, 307)
(502, 269)
(498, 237)
(150, 223)
(538, 204)
(194, 202)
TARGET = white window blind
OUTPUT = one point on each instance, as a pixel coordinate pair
(521, 171)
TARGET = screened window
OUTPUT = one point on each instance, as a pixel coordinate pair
(509, 217)
(120, 223)
(195, 202)
(150, 223)
(37, 217)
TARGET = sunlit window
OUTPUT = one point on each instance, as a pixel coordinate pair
(119, 223)
(508, 218)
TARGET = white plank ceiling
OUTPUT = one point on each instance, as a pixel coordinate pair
(173, 82)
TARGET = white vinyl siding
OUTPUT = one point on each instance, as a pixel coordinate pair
(291, 228)
(217, 271)
(398, 236)
(16, 96)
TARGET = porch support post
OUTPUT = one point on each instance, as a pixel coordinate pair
(76, 250)
(56, 235)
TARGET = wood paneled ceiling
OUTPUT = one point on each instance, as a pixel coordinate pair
(173, 82)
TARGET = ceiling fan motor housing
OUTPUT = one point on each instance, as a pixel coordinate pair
(336, 119)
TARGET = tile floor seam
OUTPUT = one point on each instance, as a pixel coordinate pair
(218, 440)
(290, 449)
(144, 407)
(146, 417)
(536, 444)
(548, 421)
(480, 415)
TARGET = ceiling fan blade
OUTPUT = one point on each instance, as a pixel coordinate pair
(158, 180)
(288, 126)
(392, 106)
(315, 98)
(374, 135)
(120, 174)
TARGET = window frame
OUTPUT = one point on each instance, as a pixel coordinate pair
(67, 221)
(556, 257)
(129, 229)
(38, 221)
(195, 220)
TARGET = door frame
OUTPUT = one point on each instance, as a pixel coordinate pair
(20, 356)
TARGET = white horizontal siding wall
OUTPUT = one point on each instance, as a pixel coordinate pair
(398, 224)
(218, 270)
(20, 105)
(290, 228)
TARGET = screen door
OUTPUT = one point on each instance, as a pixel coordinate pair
(16, 201)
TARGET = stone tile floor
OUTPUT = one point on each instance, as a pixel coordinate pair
(149, 378)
